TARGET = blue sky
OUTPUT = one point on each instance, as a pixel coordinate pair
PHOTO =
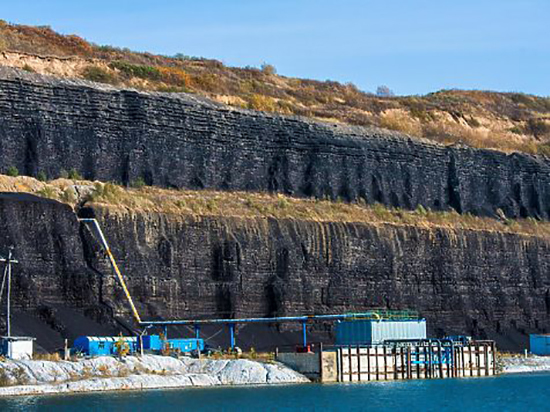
(414, 47)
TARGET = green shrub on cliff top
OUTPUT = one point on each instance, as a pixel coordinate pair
(98, 74)
(12, 171)
(136, 70)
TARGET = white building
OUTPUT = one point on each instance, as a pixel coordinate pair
(16, 347)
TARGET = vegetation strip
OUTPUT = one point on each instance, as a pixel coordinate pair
(142, 198)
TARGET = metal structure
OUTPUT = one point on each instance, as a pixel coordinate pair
(540, 344)
(415, 359)
(103, 345)
(7, 276)
(231, 323)
(304, 320)
(13, 347)
(376, 332)
(105, 245)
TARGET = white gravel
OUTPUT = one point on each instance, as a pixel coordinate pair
(27, 377)
(521, 364)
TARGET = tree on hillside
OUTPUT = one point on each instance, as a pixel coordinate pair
(384, 91)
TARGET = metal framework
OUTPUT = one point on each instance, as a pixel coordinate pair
(304, 320)
(7, 275)
(230, 323)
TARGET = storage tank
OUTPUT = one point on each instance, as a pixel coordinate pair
(540, 344)
(375, 332)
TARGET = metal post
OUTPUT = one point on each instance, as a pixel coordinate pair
(197, 332)
(232, 335)
(304, 334)
(9, 293)
(8, 261)
(166, 333)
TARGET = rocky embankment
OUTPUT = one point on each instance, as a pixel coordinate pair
(28, 377)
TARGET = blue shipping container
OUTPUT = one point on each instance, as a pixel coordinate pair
(152, 342)
(186, 345)
(102, 345)
(155, 343)
(375, 332)
(539, 344)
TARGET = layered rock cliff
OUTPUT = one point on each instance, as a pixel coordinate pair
(48, 125)
(482, 283)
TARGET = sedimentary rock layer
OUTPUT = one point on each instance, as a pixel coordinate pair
(486, 284)
(47, 125)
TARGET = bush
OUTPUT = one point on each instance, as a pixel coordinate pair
(74, 175)
(47, 192)
(421, 210)
(42, 176)
(28, 68)
(12, 171)
(63, 174)
(20, 376)
(384, 91)
(100, 75)
(174, 76)
(136, 70)
(68, 195)
(264, 103)
(268, 69)
(4, 379)
(138, 183)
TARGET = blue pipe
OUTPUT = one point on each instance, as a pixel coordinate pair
(363, 315)
(232, 335)
(304, 334)
(197, 332)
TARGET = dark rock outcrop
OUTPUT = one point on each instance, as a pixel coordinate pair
(486, 284)
(182, 141)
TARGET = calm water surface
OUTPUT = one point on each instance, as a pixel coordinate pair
(527, 392)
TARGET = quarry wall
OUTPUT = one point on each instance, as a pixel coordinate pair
(486, 284)
(482, 283)
(49, 125)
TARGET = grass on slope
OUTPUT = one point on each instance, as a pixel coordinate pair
(255, 205)
(503, 121)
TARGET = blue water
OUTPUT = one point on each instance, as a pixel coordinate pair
(504, 393)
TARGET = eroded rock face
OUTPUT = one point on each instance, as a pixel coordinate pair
(486, 284)
(51, 125)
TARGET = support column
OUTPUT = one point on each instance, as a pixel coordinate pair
(232, 335)
(197, 331)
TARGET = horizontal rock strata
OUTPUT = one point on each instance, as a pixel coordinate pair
(486, 284)
(49, 125)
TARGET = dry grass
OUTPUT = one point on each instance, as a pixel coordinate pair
(252, 205)
(267, 357)
(52, 357)
(502, 121)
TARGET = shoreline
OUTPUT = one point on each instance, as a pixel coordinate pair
(102, 374)
(107, 374)
(522, 364)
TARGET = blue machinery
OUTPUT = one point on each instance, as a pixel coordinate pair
(304, 320)
(230, 323)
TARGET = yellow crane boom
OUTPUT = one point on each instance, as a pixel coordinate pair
(105, 246)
